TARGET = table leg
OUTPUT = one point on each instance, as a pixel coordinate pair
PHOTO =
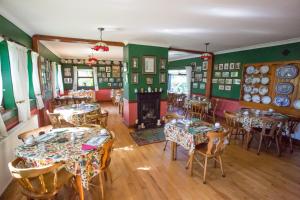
(79, 187)
(173, 150)
(189, 164)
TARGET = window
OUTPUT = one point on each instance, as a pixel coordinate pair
(177, 81)
(85, 78)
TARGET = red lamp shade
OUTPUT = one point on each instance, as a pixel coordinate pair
(205, 56)
(100, 46)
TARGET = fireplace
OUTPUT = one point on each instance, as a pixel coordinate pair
(148, 108)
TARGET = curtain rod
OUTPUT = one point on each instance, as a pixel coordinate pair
(6, 38)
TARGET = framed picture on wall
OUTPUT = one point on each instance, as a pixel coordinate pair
(226, 66)
(116, 71)
(237, 65)
(102, 69)
(149, 65)
(221, 66)
(100, 80)
(105, 80)
(221, 81)
(234, 74)
(134, 78)
(221, 87)
(103, 75)
(202, 86)
(204, 65)
(135, 62)
(228, 87)
(217, 74)
(216, 66)
(118, 79)
(214, 80)
(108, 75)
(193, 65)
(204, 80)
(114, 84)
(162, 78)
(163, 63)
(67, 72)
(111, 80)
(198, 69)
(108, 69)
(228, 81)
(195, 85)
(231, 66)
(225, 74)
(149, 80)
(109, 84)
(237, 81)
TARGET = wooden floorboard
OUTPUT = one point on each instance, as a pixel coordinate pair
(147, 172)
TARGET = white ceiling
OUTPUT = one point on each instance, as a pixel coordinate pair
(177, 23)
(82, 51)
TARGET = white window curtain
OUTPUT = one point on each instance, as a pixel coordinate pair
(95, 78)
(60, 80)
(3, 131)
(75, 75)
(36, 81)
(188, 80)
(19, 76)
(54, 78)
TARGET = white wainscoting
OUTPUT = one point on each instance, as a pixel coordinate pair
(7, 149)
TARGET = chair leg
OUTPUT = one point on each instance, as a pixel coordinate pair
(205, 167)
(278, 145)
(260, 142)
(249, 139)
(166, 145)
(221, 166)
(101, 185)
(191, 159)
(291, 143)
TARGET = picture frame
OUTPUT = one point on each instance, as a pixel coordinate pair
(100, 80)
(198, 69)
(149, 65)
(162, 78)
(221, 66)
(236, 81)
(221, 87)
(149, 80)
(214, 80)
(204, 65)
(105, 80)
(67, 72)
(226, 66)
(68, 80)
(116, 71)
(195, 85)
(228, 81)
(111, 80)
(238, 65)
(102, 69)
(204, 74)
(108, 74)
(109, 84)
(135, 62)
(162, 63)
(225, 74)
(234, 74)
(204, 80)
(193, 65)
(202, 86)
(217, 74)
(221, 81)
(134, 78)
(107, 69)
(216, 66)
(118, 79)
(115, 84)
(197, 77)
(231, 66)
(227, 87)
(103, 75)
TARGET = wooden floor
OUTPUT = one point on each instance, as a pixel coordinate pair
(147, 172)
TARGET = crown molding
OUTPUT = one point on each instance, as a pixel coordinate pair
(184, 57)
(148, 44)
(257, 46)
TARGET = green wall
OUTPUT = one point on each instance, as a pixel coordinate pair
(267, 54)
(138, 51)
(180, 64)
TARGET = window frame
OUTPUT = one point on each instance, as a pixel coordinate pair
(89, 77)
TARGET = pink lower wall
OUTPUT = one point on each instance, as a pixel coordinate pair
(130, 111)
(103, 95)
(226, 104)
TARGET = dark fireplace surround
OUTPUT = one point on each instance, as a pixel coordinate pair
(148, 108)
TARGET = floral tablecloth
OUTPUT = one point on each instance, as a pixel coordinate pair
(60, 148)
(83, 93)
(76, 113)
(187, 136)
(188, 103)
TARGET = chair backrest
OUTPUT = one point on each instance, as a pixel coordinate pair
(33, 180)
(216, 143)
(272, 123)
(215, 104)
(34, 133)
(169, 117)
(54, 119)
(230, 119)
(103, 117)
(294, 125)
(197, 110)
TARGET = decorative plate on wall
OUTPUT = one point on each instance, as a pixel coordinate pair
(247, 97)
(284, 88)
(266, 100)
(256, 98)
(265, 80)
(287, 71)
(263, 90)
(250, 70)
(264, 69)
(297, 104)
(283, 101)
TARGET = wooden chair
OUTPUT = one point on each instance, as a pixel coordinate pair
(268, 135)
(180, 101)
(234, 127)
(169, 117)
(57, 121)
(212, 111)
(293, 123)
(34, 133)
(104, 156)
(171, 101)
(121, 107)
(39, 182)
(103, 118)
(197, 110)
(213, 150)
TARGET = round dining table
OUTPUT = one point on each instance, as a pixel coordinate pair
(76, 113)
(66, 145)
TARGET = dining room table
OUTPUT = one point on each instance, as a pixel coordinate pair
(67, 145)
(76, 113)
(187, 133)
(253, 118)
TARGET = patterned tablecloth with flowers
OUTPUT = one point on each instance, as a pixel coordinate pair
(58, 146)
(185, 134)
(76, 113)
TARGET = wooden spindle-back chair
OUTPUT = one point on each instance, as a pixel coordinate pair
(34, 133)
(39, 182)
(212, 111)
(214, 150)
(57, 121)
(293, 124)
(197, 110)
(234, 127)
(104, 156)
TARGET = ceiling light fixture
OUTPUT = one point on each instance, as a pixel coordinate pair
(100, 45)
(206, 55)
(92, 60)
